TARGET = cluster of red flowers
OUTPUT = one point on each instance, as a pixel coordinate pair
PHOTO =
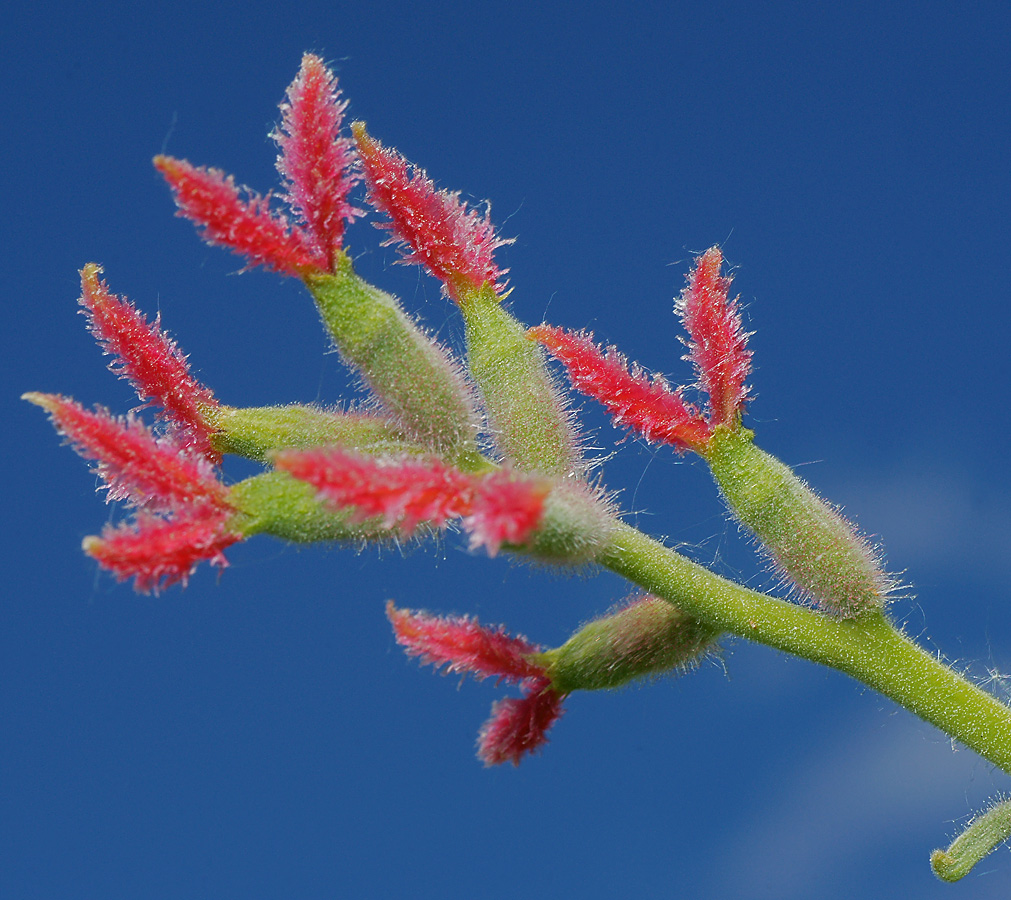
(182, 509)
(184, 514)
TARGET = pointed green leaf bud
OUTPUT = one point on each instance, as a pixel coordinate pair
(277, 504)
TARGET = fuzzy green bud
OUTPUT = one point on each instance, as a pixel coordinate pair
(575, 526)
(647, 637)
(532, 428)
(255, 432)
(416, 381)
(812, 545)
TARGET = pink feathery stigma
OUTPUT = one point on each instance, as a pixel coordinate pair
(211, 200)
(157, 552)
(634, 400)
(315, 162)
(718, 344)
(455, 243)
(463, 645)
(404, 491)
(519, 725)
(144, 355)
(154, 473)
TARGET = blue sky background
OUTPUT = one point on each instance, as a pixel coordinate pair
(260, 735)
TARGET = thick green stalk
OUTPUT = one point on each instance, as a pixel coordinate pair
(868, 648)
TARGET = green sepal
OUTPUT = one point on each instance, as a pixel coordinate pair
(532, 428)
(575, 526)
(255, 432)
(812, 545)
(414, 379)
(648, 637)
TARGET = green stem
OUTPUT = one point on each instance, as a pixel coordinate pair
(984, 834)
(867, 647)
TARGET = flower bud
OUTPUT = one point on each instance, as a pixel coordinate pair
(416, 381)
(532, 428)
(256, 432)
(647, 637)
(811, 544)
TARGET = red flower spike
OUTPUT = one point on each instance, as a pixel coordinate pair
(718, 345)
(463, 645)
(315, 161)
(144, 355)
(454, 243)
(405, 491)
(157, 474)
(157, 553)
(646, 405)
(519, 725)
(211, 200)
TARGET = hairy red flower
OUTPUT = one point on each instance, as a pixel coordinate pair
(248, 227)
(454, 243)
(135, 465)
(504, 509)
(144, 355)
(315, 162)
(519, 725)
(405, 491)
(634, 400)
(463, 645)
(157, 552)
(718, 343)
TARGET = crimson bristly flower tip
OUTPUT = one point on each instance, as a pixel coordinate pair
(158, 553)
(405, 491)
(504, 509)
(463, 645)
(718, 343)
(144, 355)
(454, 242)
(247, 226)
(519, 725)
(315, 162)
(634, 400)
(157, 473)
